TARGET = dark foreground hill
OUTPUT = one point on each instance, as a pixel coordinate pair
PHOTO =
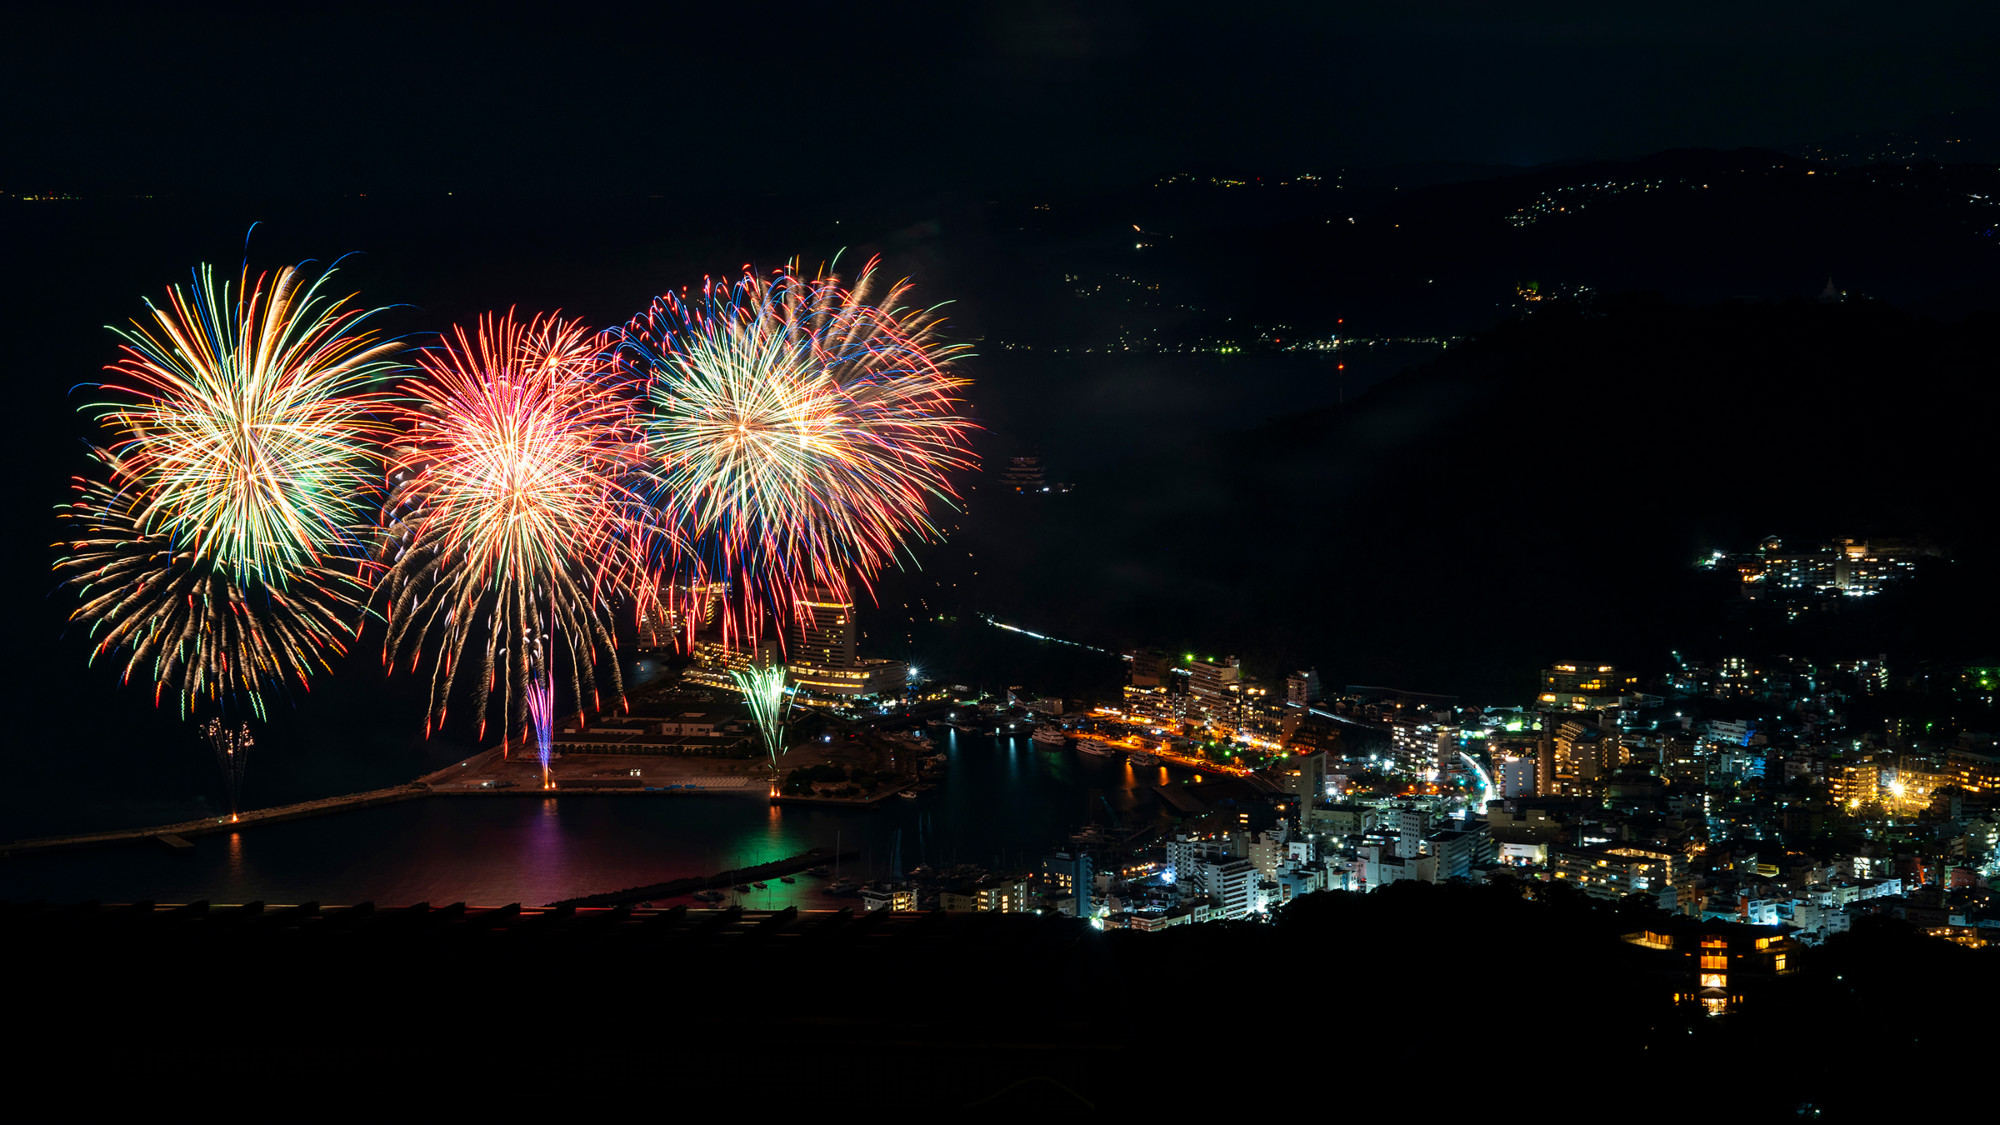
(1440, 1000)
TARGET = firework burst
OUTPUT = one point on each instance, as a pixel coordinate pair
(512, 534)
(216, 549)
(798, 432)
(764, 691)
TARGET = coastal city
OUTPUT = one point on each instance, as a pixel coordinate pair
(1741, 801)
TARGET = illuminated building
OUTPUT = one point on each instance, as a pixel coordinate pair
(900, 896)
(1853, 785)
(1210, 680)
(714, 661)
(1586, 687)
(1974, 768)
(1306, 779)
(1460, 849)
(993, 894)
(822, 634)
(1302, 688)
(1067, 875)
(820, 653)
(1715, 963)
(1516, 777)
(1585, 752)
(1610, 872)
(1230, 882)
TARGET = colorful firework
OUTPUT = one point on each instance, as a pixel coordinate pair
(232, 753)
(542, 715)
(217, 552)
(510, 522)
(798, 432)
(764, 691)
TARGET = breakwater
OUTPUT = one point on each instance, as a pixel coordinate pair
(803, 861)
(448, 782)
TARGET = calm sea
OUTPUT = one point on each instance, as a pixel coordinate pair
(1002, 804)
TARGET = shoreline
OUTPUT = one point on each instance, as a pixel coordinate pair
(447, 782)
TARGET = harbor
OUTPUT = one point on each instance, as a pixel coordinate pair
(1002, 802)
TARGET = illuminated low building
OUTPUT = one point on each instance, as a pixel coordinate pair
(993, 894)
(1714, 964)
(1611, 872)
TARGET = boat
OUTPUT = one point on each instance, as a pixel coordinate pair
(909, 793)
(709, 896)
(967, 728)
(1095, 747)
(786, 879)
(741, 888)
(821, 871)
(1144, 758)
(762, 886)
(842, 886)
(1048, 734)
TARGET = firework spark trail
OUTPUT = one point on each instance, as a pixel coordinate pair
(798, 433)
(542, 715)
(218, 550)
(764, 691)
(511, 519)
(232, 753)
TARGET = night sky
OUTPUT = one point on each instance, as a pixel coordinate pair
(858, 98)
(595, 159)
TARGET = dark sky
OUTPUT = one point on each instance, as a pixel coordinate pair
(861, 97)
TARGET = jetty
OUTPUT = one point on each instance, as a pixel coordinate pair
(804, 861)
(482, 774)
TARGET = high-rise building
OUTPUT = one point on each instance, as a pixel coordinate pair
(1411, 827)
(1210, 680)
(822, 633)
(1149, 667)
(1307, 779)
(1302, 688)
(820, 652)
(1068, 875)
(1230, 882)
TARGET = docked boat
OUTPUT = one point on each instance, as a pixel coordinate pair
(762, 886)
(1048, 734)
(1095, 747)
(1144, 758)
(786, 879)
(842, 886)
(709, 896)
(822, 871)
(741, 888)
(911, 794)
